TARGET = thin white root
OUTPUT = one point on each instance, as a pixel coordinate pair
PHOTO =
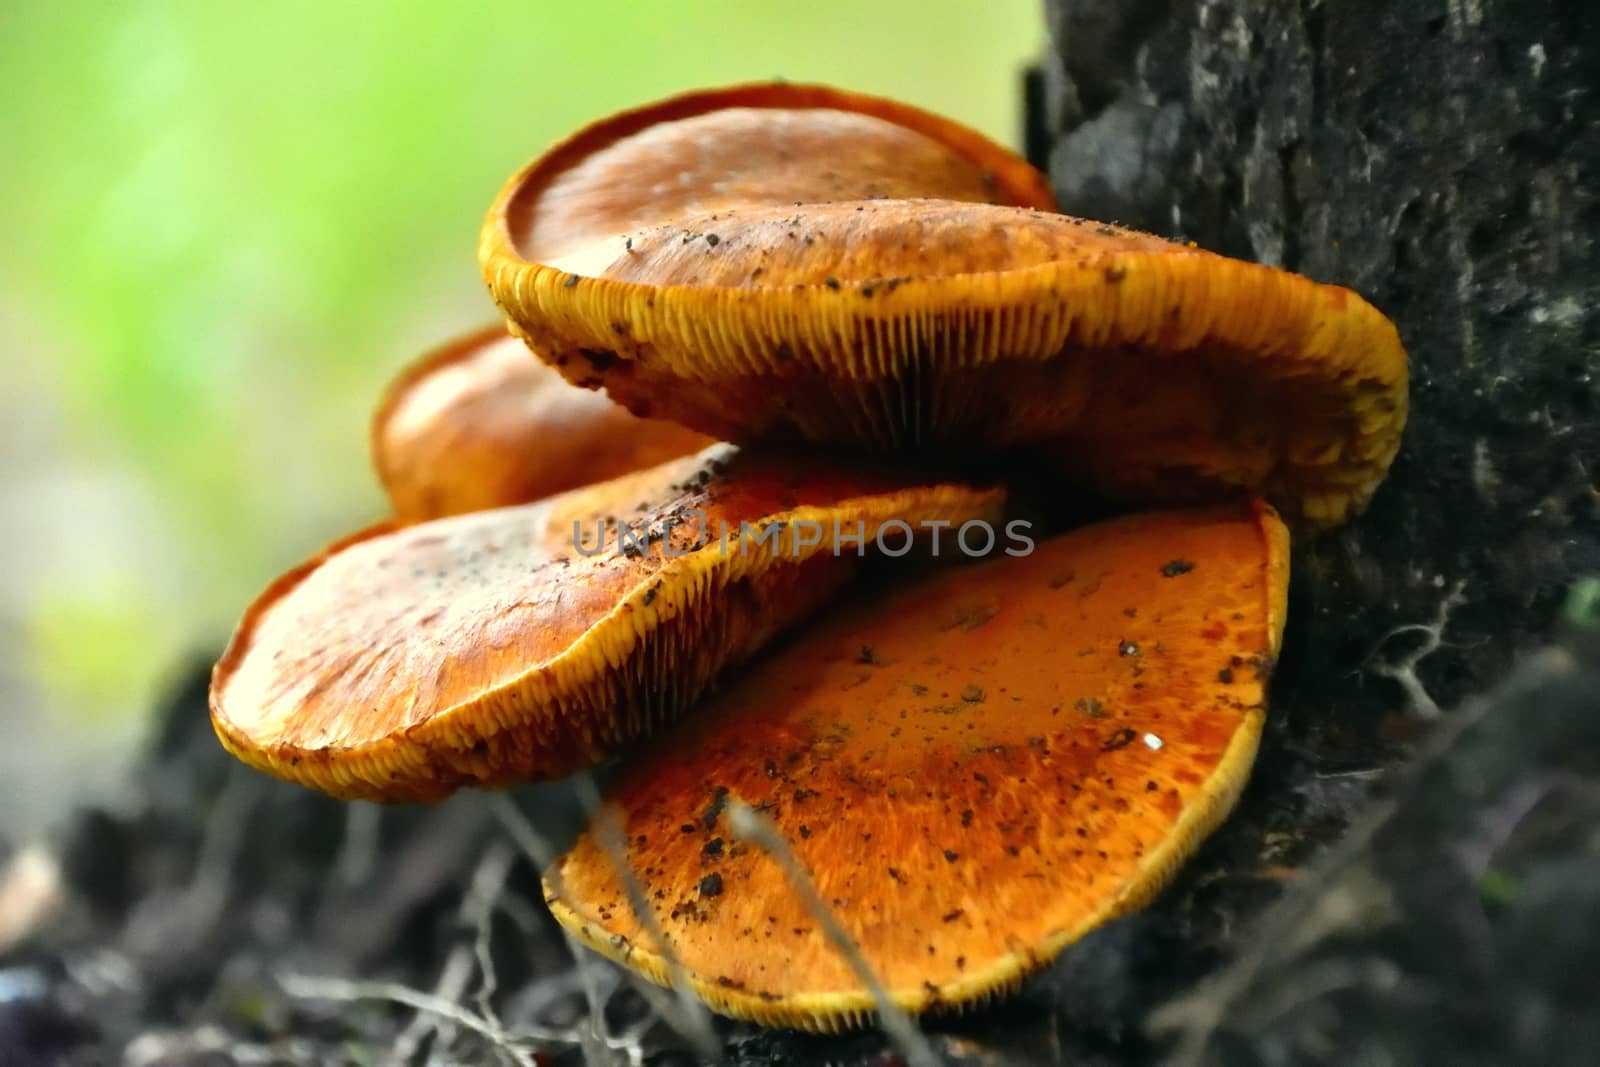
(358, 853)
(684, 1013)
(542, 856)
(1404, 670)
(339, 990)
(486, 887)
(173, 923)
(747, 824)
(488, 884)
(452, 982)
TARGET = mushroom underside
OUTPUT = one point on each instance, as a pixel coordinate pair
(529, 642)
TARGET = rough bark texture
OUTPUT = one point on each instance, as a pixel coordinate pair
(1458, 923)
(1442, 157)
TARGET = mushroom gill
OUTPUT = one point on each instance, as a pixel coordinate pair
(1152, 370)
(528, 642)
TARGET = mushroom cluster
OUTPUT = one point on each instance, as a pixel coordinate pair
(826, 325)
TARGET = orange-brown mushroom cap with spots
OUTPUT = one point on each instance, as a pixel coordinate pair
(479, 423)
(976, 770)
(764, 143)
(1151, 369)
(514, 644)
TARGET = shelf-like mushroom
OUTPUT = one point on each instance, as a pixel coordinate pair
(1151, 369)
(976, 770)
(523, 643)
(775, 143)
(478, 423)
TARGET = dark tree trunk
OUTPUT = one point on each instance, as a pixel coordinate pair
(1442, 157)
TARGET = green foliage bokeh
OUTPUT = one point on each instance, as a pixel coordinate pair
(228, 223)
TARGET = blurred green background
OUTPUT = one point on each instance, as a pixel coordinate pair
(227, 224)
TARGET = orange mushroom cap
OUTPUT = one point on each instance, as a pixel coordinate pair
(516, 644)
(976, 770)
(477, 423)
(1151, 369)
(773, 143)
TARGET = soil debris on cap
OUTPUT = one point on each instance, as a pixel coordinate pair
(1188, 377)
(1078, 822)
(528, 642)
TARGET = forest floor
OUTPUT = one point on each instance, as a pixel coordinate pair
(1444, 908)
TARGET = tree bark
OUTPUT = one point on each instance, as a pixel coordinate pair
(1441, 157)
